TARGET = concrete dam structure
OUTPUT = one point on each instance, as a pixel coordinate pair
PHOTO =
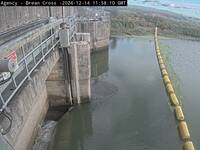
(48, 74)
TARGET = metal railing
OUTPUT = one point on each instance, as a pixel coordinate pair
(71, 21)
(30, 60)
(26, 66)
(72, 26)
(101, 17)
(18, 42)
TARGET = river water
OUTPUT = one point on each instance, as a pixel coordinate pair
(129, 109)
(184, 59)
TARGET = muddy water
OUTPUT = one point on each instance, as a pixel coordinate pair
(184, 59)
(129, 109)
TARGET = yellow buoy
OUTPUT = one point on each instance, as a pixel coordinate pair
(158, 53)
(164, 72)
(159, 57)
(179, 113)
(162, 66)
(169, 88)
(166, 80)
(161, 61)
(174, 99)
(188, 145)
(184, 132)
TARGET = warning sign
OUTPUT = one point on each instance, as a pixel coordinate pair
(12, 56)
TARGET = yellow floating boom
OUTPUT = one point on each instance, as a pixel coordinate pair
(174, 99)
(188, 145)
(184, 132)
(183, 129)
(179, 113)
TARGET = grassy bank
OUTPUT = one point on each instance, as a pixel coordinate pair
(141, 21)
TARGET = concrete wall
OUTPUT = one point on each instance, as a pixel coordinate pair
(102, 34)
(15, 16)
(11, 17)
(99, 32)
(57, 85)
(29, 106)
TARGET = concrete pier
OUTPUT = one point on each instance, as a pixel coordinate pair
(99, 29)
(81, 66)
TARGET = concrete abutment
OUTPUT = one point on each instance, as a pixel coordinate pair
(59, 82)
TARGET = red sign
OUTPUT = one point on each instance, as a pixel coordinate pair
(12, 56)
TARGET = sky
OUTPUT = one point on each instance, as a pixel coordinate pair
(185, 7)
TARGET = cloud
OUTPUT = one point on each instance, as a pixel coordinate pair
(184, 7)
(150, 1)
(172, 5)
(164, 4)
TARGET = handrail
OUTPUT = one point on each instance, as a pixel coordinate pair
(19, 41)
(28, 71)
(32, 59)
(34, 49)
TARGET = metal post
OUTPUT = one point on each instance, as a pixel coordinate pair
(13, 79)
(1, 97)
(47, 48)
(26, 66)
(51, 35)
(42, 54)
(54, 38)
(33, 58)
(41, 47)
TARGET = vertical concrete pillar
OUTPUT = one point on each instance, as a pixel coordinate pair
(84, 70)
(74, 73)
(81, 71)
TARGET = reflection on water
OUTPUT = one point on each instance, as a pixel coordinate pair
(99, 61)
(135, 116)
(73, 129)
(113, 43)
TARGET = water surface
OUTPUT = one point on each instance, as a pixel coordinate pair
(129, 109)
(184, 59)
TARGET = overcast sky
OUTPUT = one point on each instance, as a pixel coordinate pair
(185, 7)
